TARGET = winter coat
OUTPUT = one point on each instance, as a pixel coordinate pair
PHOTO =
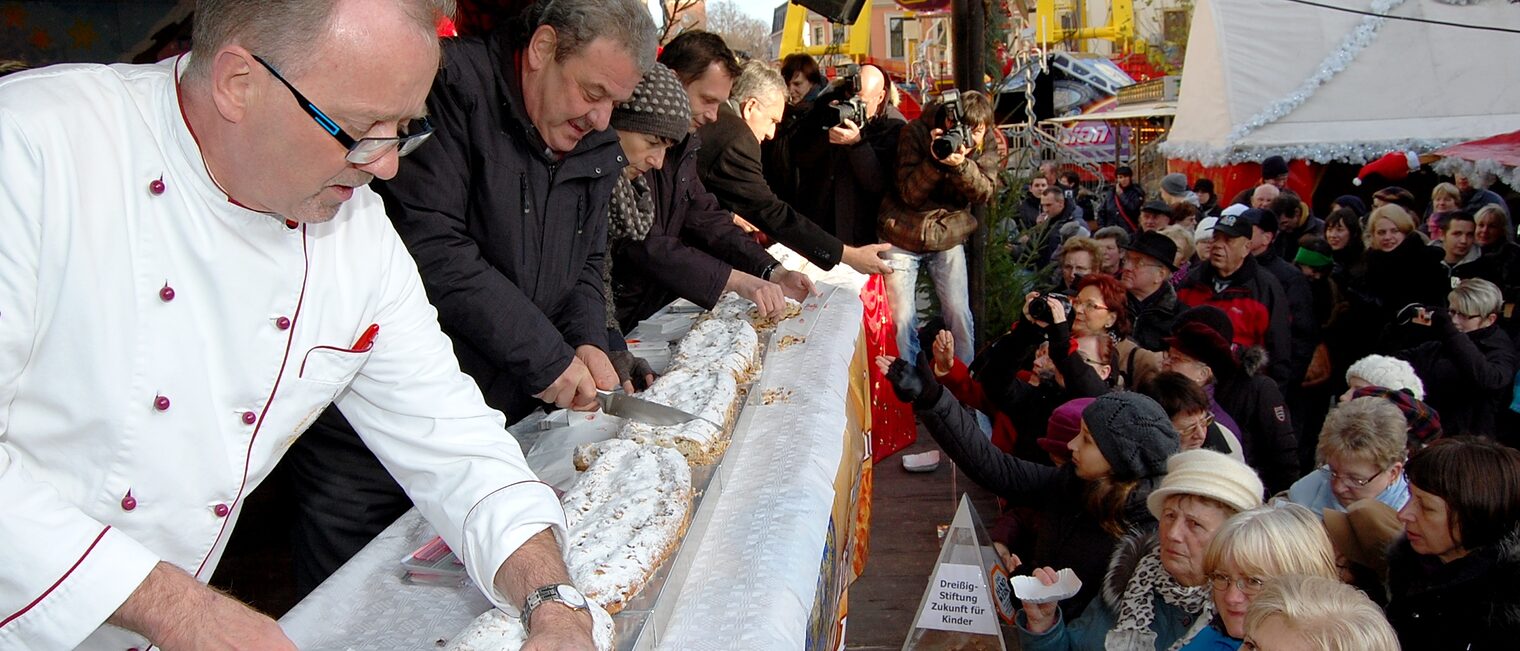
(1257, 306)
(1087, 632)
(1122, 208)
(925, 185)
(1153, 317)
(509, 238)
(1469, 604)
(690, 249)
(841, 186)
(1410, 273)
(1067, 535)
(728, 163)
(1303, 328)
(1467, 376)
(1286, 242)
(1500, 264)
(1265, 430)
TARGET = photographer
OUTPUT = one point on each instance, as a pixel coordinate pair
(1469, 364)
(845, 148)
(947, 160)
(1121, 207)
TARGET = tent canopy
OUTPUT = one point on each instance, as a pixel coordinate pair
(1498, 156)
(1279, 77)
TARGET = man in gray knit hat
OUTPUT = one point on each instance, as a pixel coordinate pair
(668, 237)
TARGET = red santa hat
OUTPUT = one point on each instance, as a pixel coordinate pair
(1394, 166)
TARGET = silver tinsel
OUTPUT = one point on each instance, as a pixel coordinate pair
(1351, 152)
(1333, 64)
(1480, 170)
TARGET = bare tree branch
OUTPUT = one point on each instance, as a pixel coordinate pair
(672, 20)
(743, 33)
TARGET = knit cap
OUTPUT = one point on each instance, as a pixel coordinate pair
(659, 106)
(1273, 167)
(1389, 372)
(1174, 184)
(1424, 422)
(1133, 433)
(1207, 473)
(1064, 424)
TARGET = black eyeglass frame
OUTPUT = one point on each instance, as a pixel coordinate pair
(362, 151)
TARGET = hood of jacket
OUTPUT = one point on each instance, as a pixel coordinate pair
(1122, 565)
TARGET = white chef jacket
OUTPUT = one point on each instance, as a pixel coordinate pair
(161, 348)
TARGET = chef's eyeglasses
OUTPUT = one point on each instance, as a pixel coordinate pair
(364, 150)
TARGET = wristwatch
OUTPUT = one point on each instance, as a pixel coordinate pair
(561, 592)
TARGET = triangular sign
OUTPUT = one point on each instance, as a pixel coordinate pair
(968, 594)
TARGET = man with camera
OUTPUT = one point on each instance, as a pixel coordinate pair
(845, 148)
(947, 160)
(730, 167)
(1121, 207)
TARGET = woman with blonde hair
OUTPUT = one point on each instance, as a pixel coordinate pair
(1400, 268)
(1361, 456)
(1301, 613)
(1444, 198)
(1252, 548)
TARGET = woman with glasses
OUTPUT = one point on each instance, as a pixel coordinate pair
(1312, 613)
(1189, 407)
(1469, 363)
(1454, 579)
(1250, 550)
(1155, 594)
(1361, 456)
(1038, 365)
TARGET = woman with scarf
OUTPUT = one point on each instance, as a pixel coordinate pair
(1156, 591)
(667, 237)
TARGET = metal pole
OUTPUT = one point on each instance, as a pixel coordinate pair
(969, 34)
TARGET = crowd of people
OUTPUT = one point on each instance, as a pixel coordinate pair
(1245, 403)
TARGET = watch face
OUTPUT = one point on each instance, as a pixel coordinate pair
(572, 596)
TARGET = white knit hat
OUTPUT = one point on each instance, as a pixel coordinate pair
(1389, 373)
(1207, 473)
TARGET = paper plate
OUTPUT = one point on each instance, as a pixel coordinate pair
(921, 462)
(1028, 588)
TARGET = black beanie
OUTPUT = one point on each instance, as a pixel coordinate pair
(1133, 433)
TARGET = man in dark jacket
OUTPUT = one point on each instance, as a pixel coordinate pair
(1303, 328)
(1294, 221)
(691, 248)
(847, 167)
(1233, 282)
(729, 165)
(1121, 205)
(505, 213)
(1152, 300)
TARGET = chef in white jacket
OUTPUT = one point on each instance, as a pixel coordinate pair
(191, 268)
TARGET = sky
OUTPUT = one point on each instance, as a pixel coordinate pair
(761, 9)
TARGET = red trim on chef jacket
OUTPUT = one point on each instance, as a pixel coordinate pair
(59, 582)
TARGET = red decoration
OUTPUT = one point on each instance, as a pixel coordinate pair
(892, 424)
(1394, 166)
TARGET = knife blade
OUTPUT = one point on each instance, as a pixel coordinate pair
(625, 406)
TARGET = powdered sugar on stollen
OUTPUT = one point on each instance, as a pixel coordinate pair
(729, 344)
(626, 514)
(710, 394)
(494, 630)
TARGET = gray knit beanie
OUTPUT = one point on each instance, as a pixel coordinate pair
(659, 106)
(1133, 433)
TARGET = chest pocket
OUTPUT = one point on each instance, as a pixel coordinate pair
(328, 365)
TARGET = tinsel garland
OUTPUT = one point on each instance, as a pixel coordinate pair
(1451, 166)
(1333, 64)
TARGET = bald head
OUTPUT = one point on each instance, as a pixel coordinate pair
(1264, 195)
(873, 88)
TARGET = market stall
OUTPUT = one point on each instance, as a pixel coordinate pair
(777, 533)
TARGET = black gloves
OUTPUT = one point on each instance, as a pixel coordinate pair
(631, 368)
(915, 384)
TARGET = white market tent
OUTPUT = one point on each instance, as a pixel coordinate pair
(1285, 77)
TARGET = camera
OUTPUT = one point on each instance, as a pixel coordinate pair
(851, 107)
(1039, 310)
(956, 136)
(1415, 313)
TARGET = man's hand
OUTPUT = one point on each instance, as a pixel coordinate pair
(867, 259)
(795, 284)
(537, 563)
(765, 295)
(603, 375)
(847, 133)
(573, 389)
(175, 611)
(944, 353)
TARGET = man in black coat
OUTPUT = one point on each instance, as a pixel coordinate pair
(505, 212)
(1303, 328)
(1121, 205)
(847, 166)
(1146, 276)
(730, 167)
